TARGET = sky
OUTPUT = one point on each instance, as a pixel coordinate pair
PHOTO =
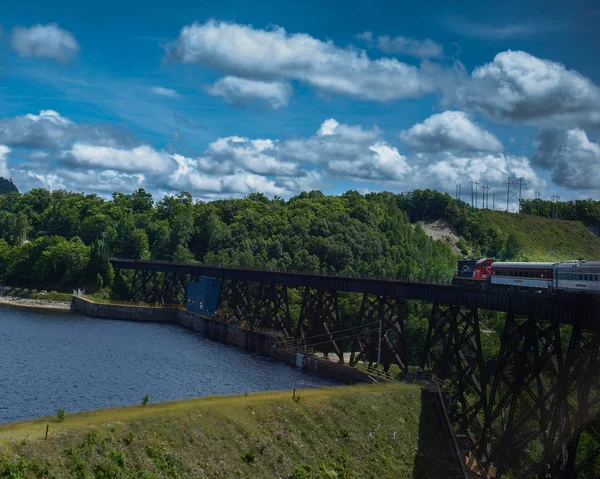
(222, 99)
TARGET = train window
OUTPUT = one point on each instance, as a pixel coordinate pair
(596, 278)
(585, 277)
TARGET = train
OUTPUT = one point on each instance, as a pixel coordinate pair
(575, 276)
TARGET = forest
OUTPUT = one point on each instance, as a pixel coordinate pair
(62, 240)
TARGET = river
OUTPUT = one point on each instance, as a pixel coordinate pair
(50, 359)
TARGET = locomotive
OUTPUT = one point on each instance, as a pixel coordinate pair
(571, 276)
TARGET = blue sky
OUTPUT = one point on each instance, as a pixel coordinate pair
(225, 98)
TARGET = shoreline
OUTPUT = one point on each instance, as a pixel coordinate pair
(43, 304)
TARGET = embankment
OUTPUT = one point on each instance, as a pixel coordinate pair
(255, 342)
(360, 431)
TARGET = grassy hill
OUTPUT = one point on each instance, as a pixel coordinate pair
(365, 431)
(544, 239)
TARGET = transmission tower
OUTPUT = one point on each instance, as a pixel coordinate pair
(514, 190)
(494, 201)
(474, 186)
(485, 193)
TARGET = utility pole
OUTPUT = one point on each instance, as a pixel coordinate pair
(555, 199)
(474, 186)
(458, 187)
(379, 347)
(537, 195)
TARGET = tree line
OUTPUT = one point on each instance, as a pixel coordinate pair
(63, 239)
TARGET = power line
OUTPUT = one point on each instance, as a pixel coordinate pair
(362, 333)
(341, 330)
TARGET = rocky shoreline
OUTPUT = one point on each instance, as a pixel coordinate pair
(35, 303)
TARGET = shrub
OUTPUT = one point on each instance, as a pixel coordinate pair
(145, 399)
(61, 414)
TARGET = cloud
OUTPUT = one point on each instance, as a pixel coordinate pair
(573, 159)
(337, 151)
(366, 36)
(349, 152)
(4, 151)
(189, 176)
(162, 91)
(140, 159)
(450, 131)
(519, 87)
(258, 156)
(404, 45)
(45, 41)
(242, 91)
(498, 32)
(275, 55)
(102, 182)
(49, 129)
(409, 46)
(445, 170)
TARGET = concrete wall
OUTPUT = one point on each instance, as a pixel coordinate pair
(130, 313)
(252, 341)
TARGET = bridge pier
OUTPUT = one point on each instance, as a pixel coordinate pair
(389, 313)
(144, 286)
(272, 308)
(453, 351)
(319, 320)
(236, 294)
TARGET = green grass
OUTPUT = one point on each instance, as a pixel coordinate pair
(365, 431)
(544, 239)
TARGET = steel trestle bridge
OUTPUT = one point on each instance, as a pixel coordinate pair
(541, 390)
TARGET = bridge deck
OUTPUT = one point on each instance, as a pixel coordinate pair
(566, 308)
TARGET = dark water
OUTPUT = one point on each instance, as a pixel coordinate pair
(48, 360)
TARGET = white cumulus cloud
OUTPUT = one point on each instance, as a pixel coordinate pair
(45, 41)
(4, 151)
(450, 131)
(139, 159)
(573, 159)
(49, 129)
(275, 55)
(162, 91)
(409, 46)
(519, 87)
(242, 91)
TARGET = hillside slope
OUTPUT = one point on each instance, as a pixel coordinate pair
(544, 239)
(365, 431)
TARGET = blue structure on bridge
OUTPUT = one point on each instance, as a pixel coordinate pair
(203, 295)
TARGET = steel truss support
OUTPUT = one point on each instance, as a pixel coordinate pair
(319, 320)
(144, 285)
(272, 309)
(174, 288)
(453, 352)
(389, 313)
(236, 294)
(540, 398)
